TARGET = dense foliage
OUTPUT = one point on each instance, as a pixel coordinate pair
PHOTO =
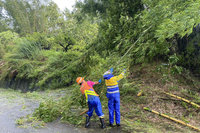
(169, 21)
(51, 48)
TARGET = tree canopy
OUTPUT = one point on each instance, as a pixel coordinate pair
(51, 46)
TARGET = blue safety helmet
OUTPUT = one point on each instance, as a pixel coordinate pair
(108, 76)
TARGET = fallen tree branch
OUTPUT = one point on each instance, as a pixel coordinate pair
(185, 100)
(171, 118)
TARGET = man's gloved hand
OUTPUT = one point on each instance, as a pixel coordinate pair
(99, 81)
(124, 70)
(111, 70)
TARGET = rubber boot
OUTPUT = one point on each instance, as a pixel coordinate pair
(118, 125)
(102, 123)
(111, 125)
(87, 123)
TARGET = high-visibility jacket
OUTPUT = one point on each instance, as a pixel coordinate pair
(113, 96)
(112, 82)
(87, 90)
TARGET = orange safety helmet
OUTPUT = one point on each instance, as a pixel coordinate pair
(79, 80)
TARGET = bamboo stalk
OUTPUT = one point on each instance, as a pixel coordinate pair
(173, 119)
(124, 56)
(140, 93)
(185, 100)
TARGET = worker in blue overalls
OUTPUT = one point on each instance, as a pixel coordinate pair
(113, 95)
(92, 98)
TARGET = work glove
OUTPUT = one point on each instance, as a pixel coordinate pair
(99, 81)
(124, 70)
(111, 70)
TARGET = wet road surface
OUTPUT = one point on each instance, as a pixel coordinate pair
(13, 105)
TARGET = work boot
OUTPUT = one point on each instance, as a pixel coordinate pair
(118, 125)
(111, 125)
(102, 123)
(87, 123)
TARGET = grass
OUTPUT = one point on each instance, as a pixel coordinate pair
(152, 83)
(134, 119)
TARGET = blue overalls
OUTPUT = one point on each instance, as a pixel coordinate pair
(92, 98)
(113, 96)
(93, 103)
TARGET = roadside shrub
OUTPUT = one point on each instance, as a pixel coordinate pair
(61, 70)
(7, 40)
(44, 40)
(28, 49)
(48, 111)
(67, 108)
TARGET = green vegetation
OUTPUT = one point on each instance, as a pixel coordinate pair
(158, 42)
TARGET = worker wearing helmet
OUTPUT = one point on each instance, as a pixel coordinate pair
(113, 95)
(92, 98)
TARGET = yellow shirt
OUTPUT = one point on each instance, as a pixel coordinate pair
(114, 80)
